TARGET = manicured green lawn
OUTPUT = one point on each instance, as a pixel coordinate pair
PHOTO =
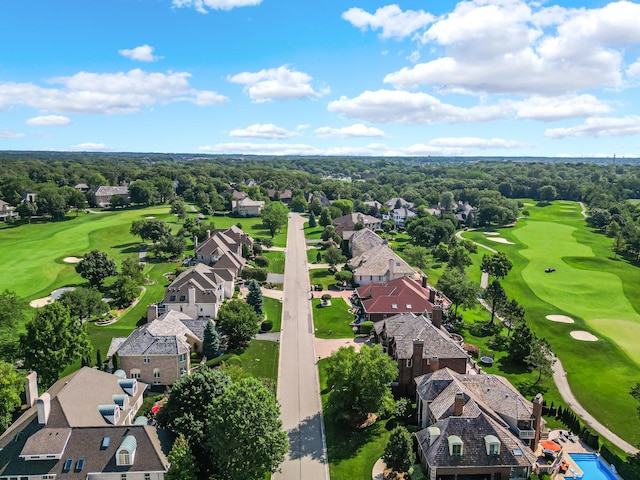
(312, 255)
(276, 261)
(335, 319)
(312, 233)
(322, 277)
(251, 225)
(260, 359)
(598, 292)
(273, 311)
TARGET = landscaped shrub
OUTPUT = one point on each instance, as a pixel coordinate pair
(472, 350)
(326, 297)
(257, 249)
(499, 343)
(366, 327)
(259, 274)
(262, 262)
(266, 325)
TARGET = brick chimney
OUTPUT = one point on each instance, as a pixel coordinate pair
(458, 405)
(152, 312)
(436, 316)
(432, 295)
(391, 269)
(425, 284)
(418, 348)
(434, 363)
(31, 389)
(537, 419)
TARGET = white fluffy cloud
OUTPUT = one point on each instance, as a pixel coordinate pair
(511, 46)
(393, 22)
(355, 130)
(48, 121)
(143, 53)
(396, 106)
(599, 127)
(107, 93)
(549, 109)
(8, 133)
(276, 84)
(91, 147)
(634, 70)
(202, 5)
(262, 149)
(262, 130)
(474, 142)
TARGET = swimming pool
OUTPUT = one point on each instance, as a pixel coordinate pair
(593, 467)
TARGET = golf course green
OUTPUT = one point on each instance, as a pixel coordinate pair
(591, 287)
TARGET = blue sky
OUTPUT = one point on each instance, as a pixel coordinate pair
(431, 77)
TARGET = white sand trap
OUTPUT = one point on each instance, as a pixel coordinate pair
(71, 260)
(584, 336)
(500, 240)
(491, 233)
(40, 302)
(150, 217)
(560, 318)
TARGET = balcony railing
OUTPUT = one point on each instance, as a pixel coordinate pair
(526, 433)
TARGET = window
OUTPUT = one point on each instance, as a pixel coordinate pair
(172, 298)
(79, 464)
(156, 373)
(134, 373)
(455, 445)
(183, 357)
(123, 476)
(146, 359)
(492, 445)
(457, 450)
(409, 362)
(67, 464)
(147, 476)
(183, 298)
(183, 371)
(124, 458)
(494, 449)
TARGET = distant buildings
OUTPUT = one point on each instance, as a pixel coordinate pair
(104, 194)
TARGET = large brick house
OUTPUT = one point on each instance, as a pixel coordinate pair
(197, 292)
(419, 345)
(105, 193)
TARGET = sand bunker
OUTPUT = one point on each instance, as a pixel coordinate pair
(491, 233)
(584, 336)
(500, 240)
(560, 318)
(55, 295)
(150, 217)
(71, 260)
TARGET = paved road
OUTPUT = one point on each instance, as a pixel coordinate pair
(298, 387)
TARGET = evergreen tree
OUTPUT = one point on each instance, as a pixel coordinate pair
(182, 461)
(254, 298)
(521, 341)
(211, 341)
(325, 217)
(312, 220)
(398, 454)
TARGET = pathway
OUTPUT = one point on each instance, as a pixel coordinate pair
(298, 385)
(583, 210)
(142, 254)
(560, 379)
(459, 235)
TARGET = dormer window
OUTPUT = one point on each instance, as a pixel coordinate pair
(183, 298)
(125, 455)
(172, 298)
(455, 445)
(492, 445)
(146, 359)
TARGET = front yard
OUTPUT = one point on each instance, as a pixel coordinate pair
(332, 321)
(321, 276)
(273, 311)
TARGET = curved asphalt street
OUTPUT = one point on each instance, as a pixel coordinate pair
(298, 386)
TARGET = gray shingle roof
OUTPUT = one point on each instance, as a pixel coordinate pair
(362, 241)
(106, 190)
(375, 262)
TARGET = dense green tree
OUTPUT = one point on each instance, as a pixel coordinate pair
(461, 291)
(11, 386)
(328, 233)
(152, 229)
(344, 277)
(178, 208)
(84, 303)
(416, 256)
(496, 296)
(540, 359)
(512, 312)
(333, 256)
(118, 201)
(358, 382)
(52, 341)
(12, 315)
(182, 461)
(51, 202)
(132, 269)
(95, 267)
(447, 201)
(124, 291)
(27, 210)
(298, 204)
(211, 341)
(245, 423)
(459, 258)
(325, 217)
(497, 265)
(274, 217)
(164, 187)
(239, 321)
(429, 231)
(398, 453)
(520, 342)
(171, 245)
(345, 206)
(254, 297)
(312, 220)
(316, 206)
(547, 193)
(143, 191)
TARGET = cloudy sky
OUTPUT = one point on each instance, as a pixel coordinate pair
(429, 77)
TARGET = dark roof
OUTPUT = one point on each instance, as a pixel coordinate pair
(85, 443)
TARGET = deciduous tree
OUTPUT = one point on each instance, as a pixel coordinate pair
(461, 291)
(182, 461)
(53, 341)
(95, 267)
(497, 265)
(239, 321)
(151, 229)
(496, 297)
(540, 358)
(274, 217)
(84, 303)
(398, 453)
(333, 256)
(12, 314)
(11, 386)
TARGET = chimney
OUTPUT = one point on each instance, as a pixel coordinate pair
(192, 295)
(44, 408)
(432, 295)
(391, 269)
(537, 419)
(458, 405)
(195, 242)
(425, 284)
(418, 348)
(31, 389)
(208, 233)
(152, 312)
(436, 316)
(360, 218)
(435, 363)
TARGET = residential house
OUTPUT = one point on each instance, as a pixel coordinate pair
(235, 194)
(159, 352)
(281, 195)
(347, 223)
(380, 264)
(491, 394)
(374, 207)
(82, 429)
(419, 345)
(28, 197)
(398, 202)
(222, 250)
(83, 187)
(464, 210)
(380, 300)
(104, 193)
(323, 200)
(399, 216)
(247, 207)
(198, 292)
(362, 241)
(6, 211)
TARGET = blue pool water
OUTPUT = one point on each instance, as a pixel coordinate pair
(593, 467)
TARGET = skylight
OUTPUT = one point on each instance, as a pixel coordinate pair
(105, 443)
(408, 305)
(67, 464)
(394, 306)
(79, 464)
